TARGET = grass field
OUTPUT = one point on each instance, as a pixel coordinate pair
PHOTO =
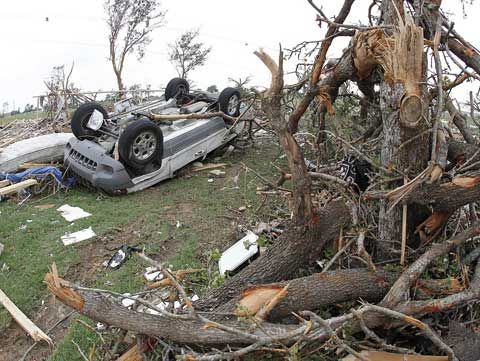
(207, 215)
(11, 118)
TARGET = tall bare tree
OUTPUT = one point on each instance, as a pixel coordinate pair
(187, 53)
(130, 24)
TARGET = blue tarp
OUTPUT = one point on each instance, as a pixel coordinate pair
(39, 173)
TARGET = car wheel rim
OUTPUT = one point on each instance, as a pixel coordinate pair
(181, 90)
(144, 145)
(232, 105)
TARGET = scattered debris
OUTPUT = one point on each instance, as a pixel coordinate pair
(72, 213)
(40, 174)
(152, 274)
(210, 166)
(72, 238)
(217, 173)
(101, 326)
(2, 247)
(229, 151)
(121, 256)
(197, 164)
(239, 253)
(36, 333)
(45, 206)
(210, 180)
(128, 302)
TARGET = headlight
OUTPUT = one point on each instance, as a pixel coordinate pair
(96, 120)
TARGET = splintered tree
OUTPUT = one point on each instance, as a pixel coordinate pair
(187, 53)
(130, 23)
(420, 203)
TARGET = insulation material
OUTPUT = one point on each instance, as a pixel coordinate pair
(72, 213)
(72, 238)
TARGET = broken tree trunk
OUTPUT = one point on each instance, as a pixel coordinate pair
(402, 102)
(294, 249)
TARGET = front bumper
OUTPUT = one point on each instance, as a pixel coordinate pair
(92, 164)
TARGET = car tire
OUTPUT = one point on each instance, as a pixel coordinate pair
(80, 119)
(176, 88)
(229, 102)
(140, 144)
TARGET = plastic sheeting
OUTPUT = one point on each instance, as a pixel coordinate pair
(39, 173)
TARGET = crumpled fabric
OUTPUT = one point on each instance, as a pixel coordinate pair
(39, 173)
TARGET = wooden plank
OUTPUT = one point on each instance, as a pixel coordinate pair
(131, 355)
(4, 183)
(29, 165)
(14, 188)
(36, 333)
(210, 166)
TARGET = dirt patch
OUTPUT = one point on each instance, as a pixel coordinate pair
(15, 342)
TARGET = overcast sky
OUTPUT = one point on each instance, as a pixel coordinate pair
(76, 32)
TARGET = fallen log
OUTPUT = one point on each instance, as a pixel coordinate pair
(110, 311)
(315, 291)
(294, 249)
(188, 330)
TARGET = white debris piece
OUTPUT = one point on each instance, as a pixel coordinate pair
(162, 305)
(217, 173)
(239, 253)
(2, 247)
(128, 302)
(72, 213)
(195, 298)
(153, 276)
(72, 238)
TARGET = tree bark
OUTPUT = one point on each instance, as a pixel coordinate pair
(459, 122)
(402, 120)
(447, 196)
(460, 152)
(322, 289)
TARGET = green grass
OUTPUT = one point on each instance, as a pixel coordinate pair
(11, 118)
(148, 219)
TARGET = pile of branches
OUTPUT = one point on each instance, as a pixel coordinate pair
(419, 206)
